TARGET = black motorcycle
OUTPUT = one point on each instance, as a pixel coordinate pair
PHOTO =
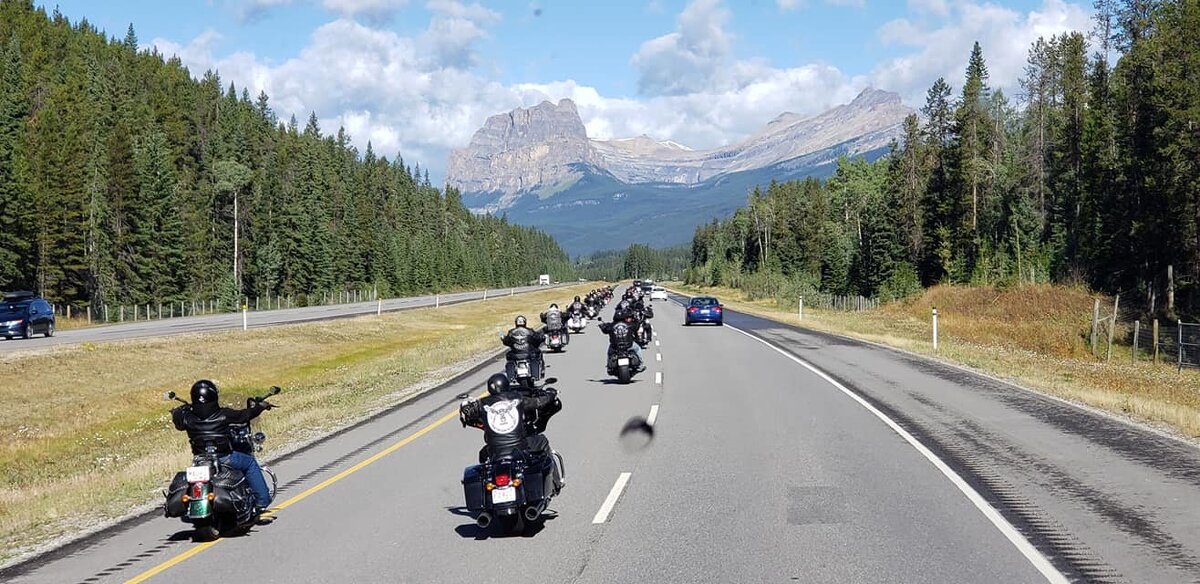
(214, 498)
(513, 490)
(624, 364)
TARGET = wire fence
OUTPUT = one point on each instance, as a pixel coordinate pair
(158, 310)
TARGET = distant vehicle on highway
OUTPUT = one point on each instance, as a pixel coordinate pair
(704, 309)
(658, 293)
(24, 314)
(544, 280)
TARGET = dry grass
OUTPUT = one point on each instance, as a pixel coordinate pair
(58, 437)
(1032, 335)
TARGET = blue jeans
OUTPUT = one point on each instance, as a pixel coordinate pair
(254, 476)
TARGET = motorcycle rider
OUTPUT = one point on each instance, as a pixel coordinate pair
(205, 418)
(555, 323)
(576, 307)
(621, 336)
(523, 345)
(525, 432)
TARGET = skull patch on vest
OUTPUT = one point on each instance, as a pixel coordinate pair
(503, 417)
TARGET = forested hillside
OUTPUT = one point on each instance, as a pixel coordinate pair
(124, 180)
(636, 261)
(1091, 174)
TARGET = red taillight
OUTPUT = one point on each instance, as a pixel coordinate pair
(693, 309)
(716, 309)
(196, 494)
(502, 480)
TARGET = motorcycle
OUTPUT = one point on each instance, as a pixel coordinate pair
(624, 365)
(514, 489)
(521, 373)
(576, 323)
(592, 312)
(213, 498)
(556, 341)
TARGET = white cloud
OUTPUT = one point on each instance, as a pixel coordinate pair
(942, 48)
(687, 60)
(789, 4)
(424, 94)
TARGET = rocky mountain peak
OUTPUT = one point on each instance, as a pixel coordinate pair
(545, 148)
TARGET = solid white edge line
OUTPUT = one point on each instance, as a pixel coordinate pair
(611, 500)
(653, 417)
(1031, 553)
(658, 377)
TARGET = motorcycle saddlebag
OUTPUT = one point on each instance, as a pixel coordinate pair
(539, 472)
(232, 493)
(174, 505)
(473, 491)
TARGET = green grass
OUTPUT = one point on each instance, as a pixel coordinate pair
(1033, 335)
(59, 436)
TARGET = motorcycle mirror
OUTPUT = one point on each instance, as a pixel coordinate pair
(462, 396)
(259, 437)
(275, 390)
(168, 396)
(551, 381)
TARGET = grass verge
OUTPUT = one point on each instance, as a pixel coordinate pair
(1031, 335)
(93, 414)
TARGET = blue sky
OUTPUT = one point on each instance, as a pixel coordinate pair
(419, 76)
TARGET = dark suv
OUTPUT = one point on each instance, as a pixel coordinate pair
(23, 314)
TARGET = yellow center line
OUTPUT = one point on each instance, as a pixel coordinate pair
(300, 497)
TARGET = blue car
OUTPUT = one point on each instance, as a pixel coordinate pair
(23, 314)
(704, 309)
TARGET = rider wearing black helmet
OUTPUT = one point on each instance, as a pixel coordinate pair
(512, 419)
(622, 336)
(523, 345)
(204, 419)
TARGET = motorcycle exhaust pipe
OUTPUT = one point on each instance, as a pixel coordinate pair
(532, 513)
(484, 520)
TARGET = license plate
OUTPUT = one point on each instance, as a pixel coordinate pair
(504, 495)
(622, 362)
(198, 474)
(522, 370)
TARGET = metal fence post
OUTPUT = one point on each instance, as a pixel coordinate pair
(437, 300)
(1180, 346)
(378, 308)
(245, 317)
(801, 311)
(1095, 324)
(935, 329)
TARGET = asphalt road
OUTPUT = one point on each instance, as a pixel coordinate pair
(255, 319)
(883, 468)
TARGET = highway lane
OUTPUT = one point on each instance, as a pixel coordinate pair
(255, 319)
(761, 470)
(1104, 500)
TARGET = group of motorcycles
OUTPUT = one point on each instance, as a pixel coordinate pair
(514, 489)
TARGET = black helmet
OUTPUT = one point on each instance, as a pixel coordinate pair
(553, 306)
(577, 299)
(520, 321)
(622, 314)
(204, 398)
(497, 384)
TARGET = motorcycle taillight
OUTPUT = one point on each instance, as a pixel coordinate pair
(196, 491)
(502, 480)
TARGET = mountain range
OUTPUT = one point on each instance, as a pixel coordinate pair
(539, 167)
